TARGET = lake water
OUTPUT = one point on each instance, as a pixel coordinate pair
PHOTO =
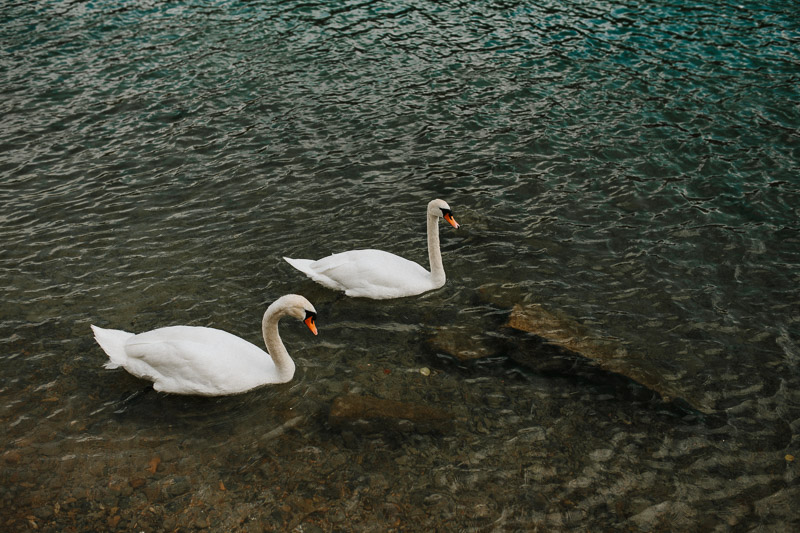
(632, 166)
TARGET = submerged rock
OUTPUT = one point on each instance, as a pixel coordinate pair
(457, 341)
(366, 414)
(560, 330)
(560, 344)
(564, 332)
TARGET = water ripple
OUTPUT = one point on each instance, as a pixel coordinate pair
(634, 167)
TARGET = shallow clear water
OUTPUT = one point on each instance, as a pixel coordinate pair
(632, 166)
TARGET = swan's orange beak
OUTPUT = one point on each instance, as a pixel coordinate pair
(309, 321)
(448, 217)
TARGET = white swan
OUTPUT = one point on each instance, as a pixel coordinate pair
(207, 361)
(381, 275)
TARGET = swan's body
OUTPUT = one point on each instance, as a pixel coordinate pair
(207, 361)
(380, 275)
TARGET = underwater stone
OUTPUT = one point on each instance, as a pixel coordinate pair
(559, 330)
(366, 414)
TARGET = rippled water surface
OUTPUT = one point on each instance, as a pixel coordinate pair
(633, 167)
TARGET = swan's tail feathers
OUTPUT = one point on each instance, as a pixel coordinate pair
(301, 264)
(112, 341)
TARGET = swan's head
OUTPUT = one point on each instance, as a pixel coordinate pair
(298, 307)
(440, 209)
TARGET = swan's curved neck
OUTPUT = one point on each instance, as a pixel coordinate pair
(281, 358)
(434, 253)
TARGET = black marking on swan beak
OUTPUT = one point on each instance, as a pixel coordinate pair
(311, 321)
(448, 216)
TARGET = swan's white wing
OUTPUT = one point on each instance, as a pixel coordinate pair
(371, 273)
(196, 360)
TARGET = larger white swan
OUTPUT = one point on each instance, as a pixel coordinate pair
(380, 275)
(207, 361)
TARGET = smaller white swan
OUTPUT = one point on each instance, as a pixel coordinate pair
(380, 275)
(207, 361)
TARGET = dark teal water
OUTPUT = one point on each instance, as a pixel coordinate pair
(633, 166)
